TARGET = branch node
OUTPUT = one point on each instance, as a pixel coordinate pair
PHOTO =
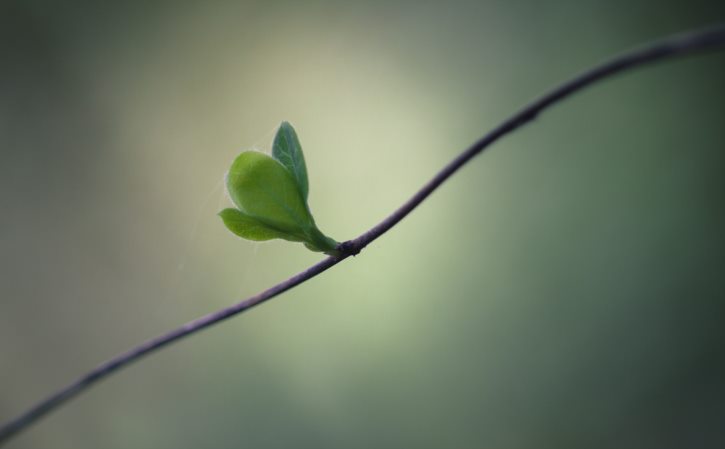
(349, 248)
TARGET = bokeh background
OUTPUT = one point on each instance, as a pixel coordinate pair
(564, 290)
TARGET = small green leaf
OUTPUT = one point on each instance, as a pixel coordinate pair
(251, 229)
(288, 151)
(271, 196)
(264, 190)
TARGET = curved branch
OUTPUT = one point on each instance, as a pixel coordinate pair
(666, 48)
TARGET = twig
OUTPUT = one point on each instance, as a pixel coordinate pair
(669, 47)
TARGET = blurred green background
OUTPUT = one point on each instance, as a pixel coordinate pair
(564, 290)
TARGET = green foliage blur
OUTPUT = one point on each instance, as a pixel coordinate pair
(564, 290)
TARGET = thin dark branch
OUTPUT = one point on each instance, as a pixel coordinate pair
(669, 47)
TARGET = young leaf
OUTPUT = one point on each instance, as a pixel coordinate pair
(264, 190)
(251, 229)
(271, 196)
(288, 151)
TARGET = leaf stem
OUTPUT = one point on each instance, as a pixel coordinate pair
(696, 41)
